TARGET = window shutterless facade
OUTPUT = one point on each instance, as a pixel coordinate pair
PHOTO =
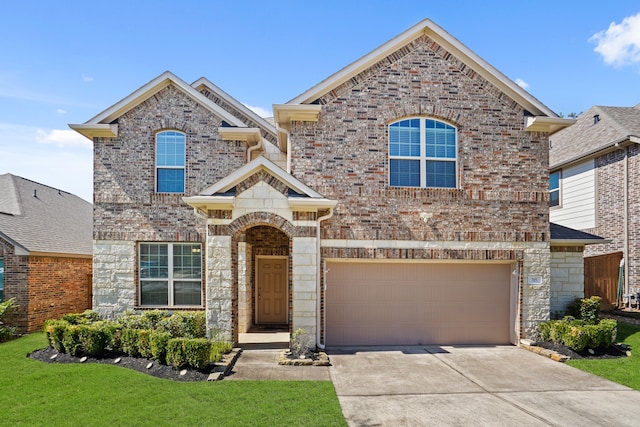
(170, 162)
(554, 189)
(423, 153)
(170, 274)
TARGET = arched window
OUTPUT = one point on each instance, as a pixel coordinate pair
(170, 162)
(422, 153)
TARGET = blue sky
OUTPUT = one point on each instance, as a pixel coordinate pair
(64, 62)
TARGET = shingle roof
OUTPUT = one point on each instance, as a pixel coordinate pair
(562, 233)
(43, 219)
(588, 136)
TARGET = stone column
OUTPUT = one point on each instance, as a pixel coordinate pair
(219, 287)
(536, 287)
(113, 277)
(304, 277)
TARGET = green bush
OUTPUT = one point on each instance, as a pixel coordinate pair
(183, 352)
(96, 337)
(590, 309)
(129, 339)
(190, 324)
(579, 334)
(55, 330)
(158, 342)
(86, 317)
(72, 340)
(7, 332)
(218, 348)
(144, 346)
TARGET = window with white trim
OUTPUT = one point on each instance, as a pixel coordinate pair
(423, 153)
(554, 189)
(170, 274)
(170, 162)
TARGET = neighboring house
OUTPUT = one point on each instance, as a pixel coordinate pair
(45, 251)
(595, 187)
(402, 200)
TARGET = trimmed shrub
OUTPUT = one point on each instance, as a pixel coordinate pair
(129, 340)
(55, 330)
(84, 318)
(590, 309)
(158, 342)
(183, 352)
(151, 318)
(579, 334)
(190, 324)
(72, 340)
(96, 337)
(144, 346)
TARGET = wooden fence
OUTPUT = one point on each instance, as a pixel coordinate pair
(601, 278)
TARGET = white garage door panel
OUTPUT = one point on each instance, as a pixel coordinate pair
(417, 303)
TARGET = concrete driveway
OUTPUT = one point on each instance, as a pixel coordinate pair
(481, 386)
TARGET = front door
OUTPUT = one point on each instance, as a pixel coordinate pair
(271, 280)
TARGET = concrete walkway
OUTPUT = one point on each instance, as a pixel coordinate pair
(484, 386)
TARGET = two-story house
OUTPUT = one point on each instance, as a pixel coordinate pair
(595, 187)
(402, 200)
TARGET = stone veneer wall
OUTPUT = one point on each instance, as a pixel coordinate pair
(114, 289)
(567, 277)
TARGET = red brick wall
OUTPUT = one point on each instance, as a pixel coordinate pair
(15, 280)
(57, 286)
(503, 169)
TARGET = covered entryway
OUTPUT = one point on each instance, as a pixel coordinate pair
(410, 303)
(272, 290)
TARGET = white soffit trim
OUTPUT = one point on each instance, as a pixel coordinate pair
(287, 113)
(261, 163)
(98, 130)
(547, 124)
(202, 81)
(153, 87)
(250, 135)
(447, 41)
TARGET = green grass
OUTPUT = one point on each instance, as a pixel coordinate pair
(624, 370)
(34, 393)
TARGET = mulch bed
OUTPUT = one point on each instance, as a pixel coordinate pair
(612, 352)
(136, 363)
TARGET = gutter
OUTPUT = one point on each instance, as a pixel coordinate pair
(251, 149)
(318, 288)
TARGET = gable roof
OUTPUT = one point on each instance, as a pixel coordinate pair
(590, 135)
(569, 236)
(217, 197)
(102, 125)
(38, 219)
(451, 44)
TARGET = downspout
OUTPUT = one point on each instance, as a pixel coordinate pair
(251, 149)
(318, 288)
(626, 224)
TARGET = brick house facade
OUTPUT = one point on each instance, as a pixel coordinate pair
(299, 223)
(45, 246)
(598, 164)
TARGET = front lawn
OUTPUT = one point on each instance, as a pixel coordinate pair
(33, 393)
(624, 370)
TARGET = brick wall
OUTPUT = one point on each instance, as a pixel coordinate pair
(502, 168)
(44, 287)
(610, 208)
(57, 286)
(126, 206)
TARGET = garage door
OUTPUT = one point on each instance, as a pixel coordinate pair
(377, 303)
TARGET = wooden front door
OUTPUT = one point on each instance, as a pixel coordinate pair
(271, 280)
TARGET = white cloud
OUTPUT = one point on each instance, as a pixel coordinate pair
(61, 112)
(522, 83)
(61, 138)
(262, 112)
(619, 45)
(67, 166)
(87, 79)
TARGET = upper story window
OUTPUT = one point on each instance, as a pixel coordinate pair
(422, 153)
(170, 162)
(554, 189)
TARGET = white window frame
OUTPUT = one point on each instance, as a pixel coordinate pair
(170, 279)
(183, 168)
(423, 159)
